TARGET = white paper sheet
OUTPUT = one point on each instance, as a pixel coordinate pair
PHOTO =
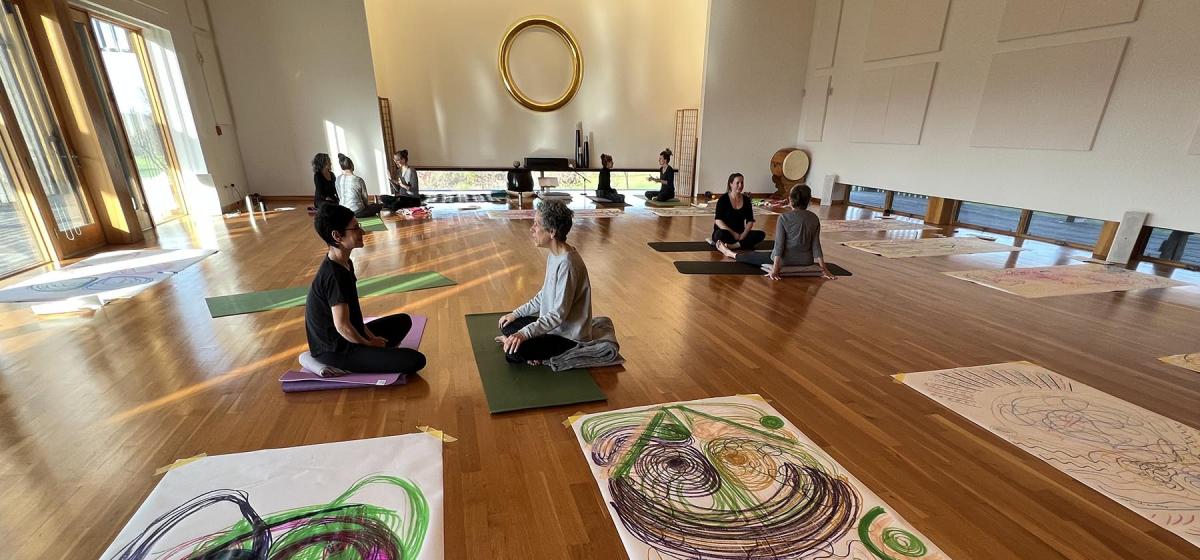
(385, 492)
(730, 478)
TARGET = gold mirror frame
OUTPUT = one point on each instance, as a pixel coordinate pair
(510, 37)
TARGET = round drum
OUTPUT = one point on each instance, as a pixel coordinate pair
(790, 165)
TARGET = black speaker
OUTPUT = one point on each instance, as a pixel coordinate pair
(547, 164)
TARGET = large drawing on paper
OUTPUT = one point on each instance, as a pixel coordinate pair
(870, 225)
(377, 499)
(1145, 461)
(931, 247)
(729, 478)
(1188, 361)
(1044, 281)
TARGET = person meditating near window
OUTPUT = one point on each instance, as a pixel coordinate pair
(604, 187)
(734, 225)
(323, 180)
(406, 193)
(666, 178)
(352, 191)
(797, 239)
(560, 315)
(337, 336)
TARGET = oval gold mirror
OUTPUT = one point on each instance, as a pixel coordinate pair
(576, 63)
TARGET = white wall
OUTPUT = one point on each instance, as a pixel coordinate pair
(436, 62)
(220, 163)
(754, 69)
(291, 67)
(1140, 156)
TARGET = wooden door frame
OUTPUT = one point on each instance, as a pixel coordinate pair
(92, 235)
(26, 184)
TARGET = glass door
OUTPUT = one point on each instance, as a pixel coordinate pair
(131, 82)
(20, 246)
(75, 226)
(115, 130)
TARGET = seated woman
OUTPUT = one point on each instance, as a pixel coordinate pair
(333, 320)
(666, 178)
(352, 191)
(797, 239)
(405, 191)
(560, 315)
(604, 188)
(734, 225)
(323, 180)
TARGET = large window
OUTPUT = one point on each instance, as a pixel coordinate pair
(488, 180)
(1071, 229)
(867, 196)
(18, 246)
(1173, 245)
(462, 180)
(1000, 218)
(910, 204)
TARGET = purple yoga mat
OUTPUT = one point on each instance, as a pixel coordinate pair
(304, 380)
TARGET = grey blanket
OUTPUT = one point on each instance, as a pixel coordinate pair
(602, 350)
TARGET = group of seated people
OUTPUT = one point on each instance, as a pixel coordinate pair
(350, 191)
(558, 318)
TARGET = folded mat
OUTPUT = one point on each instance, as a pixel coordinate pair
(253, 302)
(599, 200)
(511, 387)
(733, 267)
(663, 203)
(303, 380)
(374, 223)
(695, 246)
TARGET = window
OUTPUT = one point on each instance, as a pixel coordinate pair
(910, 204)
(1173, 245)
(462, 180)
(867, 196)
(987, 216)
(1071, 229)
(17, 237)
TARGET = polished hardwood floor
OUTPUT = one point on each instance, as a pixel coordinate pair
(90, 407)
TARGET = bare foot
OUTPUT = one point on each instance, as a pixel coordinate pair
(499, 339)
(725, 250)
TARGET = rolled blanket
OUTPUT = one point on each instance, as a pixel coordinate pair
(602, 350)
(311, 364)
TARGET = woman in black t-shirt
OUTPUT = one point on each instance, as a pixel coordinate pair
(734, 225)
(333, 320)
(323, 180)
(666, 178)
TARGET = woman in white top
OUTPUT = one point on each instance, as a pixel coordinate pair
(352, 191)
(560, 315)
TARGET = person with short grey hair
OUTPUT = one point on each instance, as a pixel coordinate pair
(559, 317)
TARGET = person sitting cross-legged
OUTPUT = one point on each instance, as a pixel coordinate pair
(559, 317)
(797, 239)
(337, 335)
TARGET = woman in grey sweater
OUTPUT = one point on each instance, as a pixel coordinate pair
(797, 239)
(560, 315)
(352, 191)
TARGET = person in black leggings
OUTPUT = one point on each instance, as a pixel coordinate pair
(333, 320)
(323, 180)
(560, 315)
(666, 178)
(734, 224)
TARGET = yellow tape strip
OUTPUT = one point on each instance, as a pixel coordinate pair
(899, 378)
(570, 421)
(438, 434)
(179, 463)
(754, 396)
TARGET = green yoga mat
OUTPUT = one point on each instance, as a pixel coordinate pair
(517, 386)
(253, 302)
(374, 223)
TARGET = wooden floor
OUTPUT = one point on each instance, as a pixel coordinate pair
(89, 408)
